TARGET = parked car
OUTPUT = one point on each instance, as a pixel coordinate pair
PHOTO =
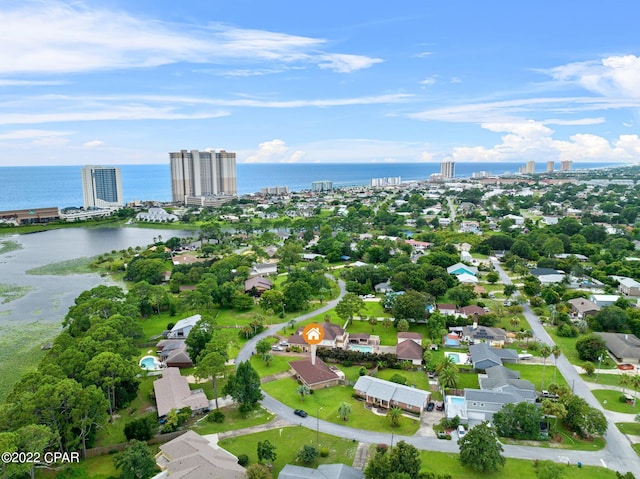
(300, 412)
(431, 406)
(440, 406)
(284, 343)
(461, 431)
(277, 348)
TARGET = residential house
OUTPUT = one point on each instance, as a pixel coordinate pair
(260, 284)
(466, 257)
(447, 309)
(191, 456)
(579, 257)
(517, 220)
(183, 327)
(484, 356)
(263, 269)
(386, 394)
(186, 259)
(409, 348)
(461, 268)
(384, 287)
(466, 278)
(629, 286)
(604, 300)
(315, 374)
(324, 471)
(471, 311)
(548, 275)
(173, 353)
(172, 392)
(624, 347)
(496, 337)
(582, 308)
(334, 336)
(498, 386)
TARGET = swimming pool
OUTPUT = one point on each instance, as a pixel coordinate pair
(362, 349)
(455, 358)
(150, 363)
(458, 400)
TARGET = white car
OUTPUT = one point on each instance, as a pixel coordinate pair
(277, 348)
(461, 431)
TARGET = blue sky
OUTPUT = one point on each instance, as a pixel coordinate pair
(351, 81)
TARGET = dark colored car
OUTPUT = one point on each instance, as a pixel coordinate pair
(430, 406)
(300, 412)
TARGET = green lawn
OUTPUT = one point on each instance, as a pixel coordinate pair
(280, 364)
(113, 432)
(446, 463)
(608, 379)
(100, 467)
(417, 378)
(632, 428)
(533, 373)
(329, 399)
(611, 400)
(233, 420)
(288, 442)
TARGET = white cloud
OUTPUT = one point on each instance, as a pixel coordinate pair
(51, 141)
(6, 82)
(93, 144)
(57, 37)
(429, 80)
(31, 134)
(274, 151)
(426, 156)
(613, 76)
(423, 54)
(576, 122)
(343, 63)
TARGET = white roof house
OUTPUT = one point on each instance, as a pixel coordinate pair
(388, 394)
(183, 327)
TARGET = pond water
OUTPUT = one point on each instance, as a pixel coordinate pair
(49, 297)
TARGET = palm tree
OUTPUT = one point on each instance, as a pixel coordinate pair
(386, 322)
(515, 322)
(344, 410)
(545, 351)
(382, 364)
(557, 352)
(427, 356)
(625, 381)
(635, 384)
(445, 362)
(268, 359)
(448, 377)
(303, 391)
(394, 414)
(373, 321)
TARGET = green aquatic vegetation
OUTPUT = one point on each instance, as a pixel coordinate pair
(63, 268)
(11, 292)
(8, 246)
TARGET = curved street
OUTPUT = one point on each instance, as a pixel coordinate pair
(617, 455)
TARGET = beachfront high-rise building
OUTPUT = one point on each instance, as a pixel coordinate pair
(322, 186)
(197, 175)
(550, 166)
(102, 187)
(566, 165)
(530, 168)
(447, 169)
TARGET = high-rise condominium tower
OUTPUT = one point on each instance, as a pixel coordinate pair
(102, 187)
(566, 165)
(447, 169)
(550, 165)
(530, 168)
(202, 173)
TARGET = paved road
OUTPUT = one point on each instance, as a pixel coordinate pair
(250, 346)
(618, 453)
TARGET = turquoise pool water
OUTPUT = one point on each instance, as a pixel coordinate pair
(362, 349)
(149, 363)
(456, 400)
(455, 358)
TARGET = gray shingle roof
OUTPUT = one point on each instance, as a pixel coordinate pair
(388, 391)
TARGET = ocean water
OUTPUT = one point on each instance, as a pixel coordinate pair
(46, 186)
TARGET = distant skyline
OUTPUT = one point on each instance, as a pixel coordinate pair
(295, 82)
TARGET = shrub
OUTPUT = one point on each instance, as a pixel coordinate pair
(382, 448)
(216, 416)
(448, 437)
(170, 326)
(243, 460)
(141, 429)
(567, 331)
(399, 379)
(324, 452)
